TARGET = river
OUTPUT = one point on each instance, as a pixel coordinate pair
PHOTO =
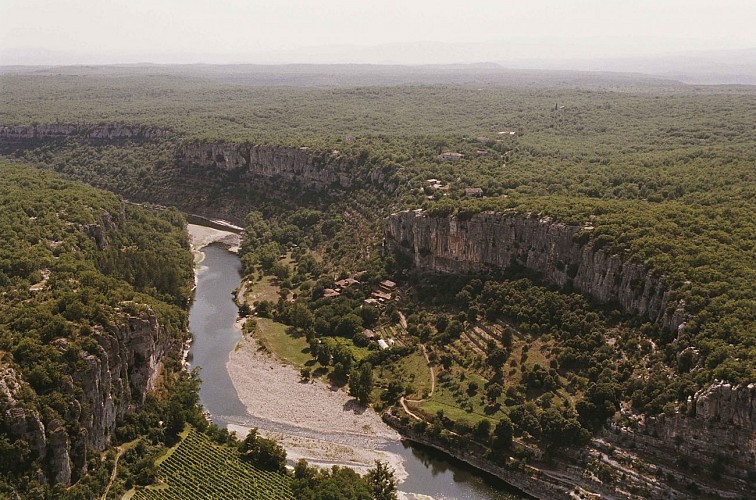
(212, 322)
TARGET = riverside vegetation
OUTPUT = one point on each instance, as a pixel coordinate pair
(78, 267)
(661, 174)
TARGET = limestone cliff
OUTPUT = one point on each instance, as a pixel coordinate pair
(298, 167)
(555, 251)
(130, 357)
(113, 382)
(31, 135)
(719, 423)
(711, 443)
(715, 434)
(216, 179)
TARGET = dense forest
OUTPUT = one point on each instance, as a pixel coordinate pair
(658, 173)
(664, 173)
(79, 270)
(77, 267)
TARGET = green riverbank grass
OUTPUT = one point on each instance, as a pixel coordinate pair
(273, 337)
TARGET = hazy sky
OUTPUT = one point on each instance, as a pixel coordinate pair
(86, 31)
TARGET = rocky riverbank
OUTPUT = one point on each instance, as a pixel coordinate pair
(311, 420)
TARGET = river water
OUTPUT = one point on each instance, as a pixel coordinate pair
(212, 322)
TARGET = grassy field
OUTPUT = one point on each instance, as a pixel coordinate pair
(271, 334)
(457, 404)
(291, 350)
(412, 369)
(359, 353)
(199, 468)
(264, 289)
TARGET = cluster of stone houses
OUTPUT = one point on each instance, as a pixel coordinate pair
(473, 192)
(384, 292)
(450, 156)
(338, 286)
(430, 186)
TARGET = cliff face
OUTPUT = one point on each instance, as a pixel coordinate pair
(717, 431)
(113, 382)
(553, 250)
(30, 135)
(120, 376)
(713, 438)
(214, 179)
(720, 420)
(300, 167)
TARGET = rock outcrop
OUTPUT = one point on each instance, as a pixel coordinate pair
(20, 421)
(125, 369)
(715, 433)
(719, 422)
(556, 251)
(113, 382)
(31, 135)
(294, 167)
(218, 179)
(710, 443)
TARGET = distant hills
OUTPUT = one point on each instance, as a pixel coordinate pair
(391, 64)
(327, 75)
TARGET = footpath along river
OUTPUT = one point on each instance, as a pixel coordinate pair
(218, 345)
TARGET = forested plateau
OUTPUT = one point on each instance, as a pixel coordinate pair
(93, 310)
(575, 260)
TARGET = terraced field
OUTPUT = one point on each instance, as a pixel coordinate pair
(198, 468)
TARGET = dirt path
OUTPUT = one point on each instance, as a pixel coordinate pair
(430, 395)
(408, 411)
(114, 473)
(402, 320)
(432, 371)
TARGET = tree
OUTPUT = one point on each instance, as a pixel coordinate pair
(336, 483)
(308, 265)
(349, 325)
(174, 421)
(300, 316)
(264, 308)
(483, 430)
(472, 388)
(264, 453)
(497, 357)
(342, 354)
(280, 270)
(303, 471)
(502, 438)
(393, 392)
(361, 383)
(321, 351)
(370, 315)
(454, 329)
(339, 374)
(600, 403)
(381, 481)
(267, 255)
(14, 456)
(561, 430)
(493, 392)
